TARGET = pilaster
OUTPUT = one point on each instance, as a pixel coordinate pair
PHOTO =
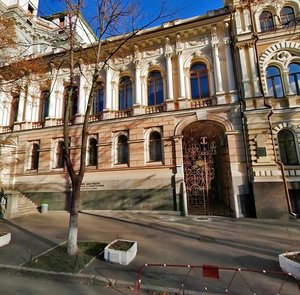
(253, 65)
(182, 92)
(245, 77)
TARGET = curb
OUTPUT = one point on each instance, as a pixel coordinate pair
(88, 279)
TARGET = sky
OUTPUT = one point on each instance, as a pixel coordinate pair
(182, 8)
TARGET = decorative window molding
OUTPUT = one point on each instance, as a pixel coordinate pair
(287, 16)
(99, 99)
(287, 147)
(152, 145)
(121, 148)
(199, 81)
(58, 161)
(295, 130)
(33, 155)
(44, 105)
(155, 88)
(274, 82)
(266, 21)
(125, 93)
(285, 56)
(294, 77)
(92, 151)
(14, 108)
(74, 103)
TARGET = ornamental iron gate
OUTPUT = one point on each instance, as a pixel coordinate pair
(200, 148)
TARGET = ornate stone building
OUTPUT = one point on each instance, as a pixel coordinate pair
(267, 47)
(188, 117)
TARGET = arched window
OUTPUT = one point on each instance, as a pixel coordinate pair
(287, 16)
(34, 157)
(287, 147)
(266, 21)
(155, 152)
(122, 150)
(98, 103)
(155, 88)
(15, 108)
(294, 74)
(92, 152)
(199, 81)
(125, 94)
(59, 155)
(274, 82)
(73, 91)
(45, 104)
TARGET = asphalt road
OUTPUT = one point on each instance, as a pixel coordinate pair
(166, 239)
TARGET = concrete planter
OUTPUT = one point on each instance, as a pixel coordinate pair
(5, 239)
(288, 265)
(115, 255)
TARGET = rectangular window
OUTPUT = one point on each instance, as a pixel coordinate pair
(30, 9)
(62, 21)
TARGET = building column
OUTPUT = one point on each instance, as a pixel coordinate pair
(169, 76)
(108, 96)
(29, 102)
(245, 77)
(286, 82)
(230, 71)
(137, 84)
(179, 176)
(170, 96)
(217, 67)
(82, 97)
(238, 23)
(182, 93)
(247, 20)
(138, 89)
(255, 79)
(4, 111)
(53, 97)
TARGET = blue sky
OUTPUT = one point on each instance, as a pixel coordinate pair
(182, 8)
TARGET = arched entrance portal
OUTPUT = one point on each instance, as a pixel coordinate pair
(207, 169)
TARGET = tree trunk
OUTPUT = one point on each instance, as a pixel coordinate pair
(73, 221)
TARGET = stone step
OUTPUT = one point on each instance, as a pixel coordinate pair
(26, 206)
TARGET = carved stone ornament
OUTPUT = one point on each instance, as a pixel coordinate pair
(152, 52)
(178, 42)
(197, 53)
(214, 31)
(153, 62)
(198, 41)
(168, 47)
(123, 68)
(214, 37)
(193, 43)
(283, 56)
(137, 54)
(226, 29)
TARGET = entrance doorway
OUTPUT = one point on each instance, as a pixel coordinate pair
(207, 169)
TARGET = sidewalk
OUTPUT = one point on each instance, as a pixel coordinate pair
(162, 239)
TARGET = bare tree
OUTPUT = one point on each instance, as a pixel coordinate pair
(114, 17)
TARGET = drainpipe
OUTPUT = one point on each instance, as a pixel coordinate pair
(266, 104)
